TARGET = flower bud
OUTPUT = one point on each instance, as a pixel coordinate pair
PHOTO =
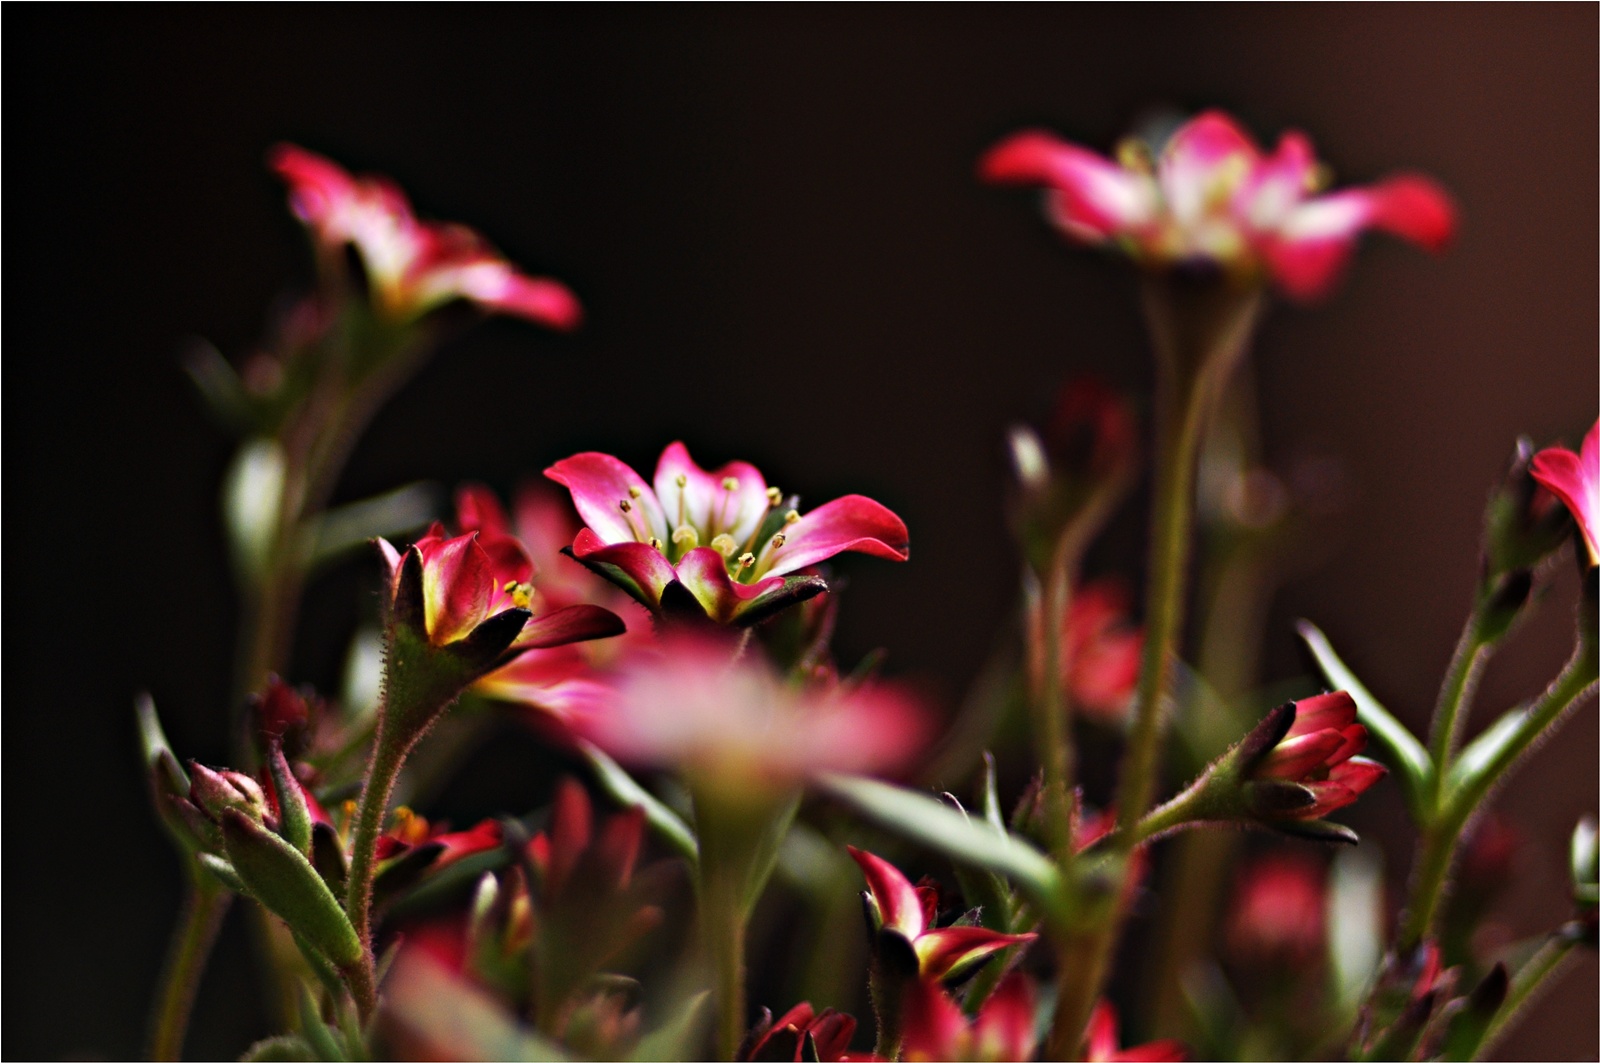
(216, 793)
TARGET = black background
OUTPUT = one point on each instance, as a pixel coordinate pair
(771, 216)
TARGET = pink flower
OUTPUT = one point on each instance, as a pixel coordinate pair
(1003, 1029)
(909, 911)
(802, 1033)
(1100, 650)
(1212, 195)
(1102, 1043)
(411, 266)
(721, 543)
(1278, 909)
(1575, 479)
(1315, 753)
(738, 726)
(409, 830)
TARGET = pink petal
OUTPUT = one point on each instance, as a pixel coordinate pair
(853, 522)
(571, 826)
(600, 485)
(705, 574)
(1325, 712)
(1278, 185)
(898, 904)
(1294, 757)
(941, 952)
(1101, 1036)
(537, 299)
(641, 563)
(457, 582)
(391, 562)
(1414, 208)
(1355, 740)
(1575, 479)
(479, 510)
(1005, 1026)
(1359, 774)
(1197, 157)
(1095, 198)
(318, 188)
(934, 1025)
(705, 502)
(575, 623)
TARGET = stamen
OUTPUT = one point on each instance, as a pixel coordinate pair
(778, 541)
(774, 496)
(655, 544)
(724, 545)
(624, 505)
(746, 559)
(633, 490)
(792, 517)
(685, 536)
(682, 480)
(730, 483)
(1134, 156)
(521, 594)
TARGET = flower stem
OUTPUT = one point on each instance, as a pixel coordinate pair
(201, 918)
(722, 924)
(1533, 976)
(1455, 701)
(382, 772)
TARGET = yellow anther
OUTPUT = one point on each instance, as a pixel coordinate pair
(682, 480)
(625, 505)
(792, 517)
(746, 559)
(778, 540)
(655, 544)
(685, 536)
(730, 483)
(724, 545)
(774, 496)
(1319, 177)
(511, 585)
(521, 595)
(1134, 155)
(633, 491)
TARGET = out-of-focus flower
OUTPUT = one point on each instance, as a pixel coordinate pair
(896, 906)
(734, 725)
(1279, 905)
(1575, 479)
(1102, 1044)
(1003, 1029)
(411, 266)
(1300, 762)
(1210, 194)
(409, 831)
(801, 1033)
(1100, 650)
(722, 542)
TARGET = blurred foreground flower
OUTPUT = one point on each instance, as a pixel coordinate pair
(1575, 479)
(1100, 650)
(411, 266)
(1209, 194)
(1102, 1043)
(1003, 1029)
(1279, 904)
(722, 544)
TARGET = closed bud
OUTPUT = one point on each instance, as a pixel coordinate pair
(217, 792)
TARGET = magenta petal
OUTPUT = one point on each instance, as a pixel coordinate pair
(934, 1025)
(1359, 774)
(1325, 712)
(853, 522)
(1189, 165)
(600, 485)
(1294, 757)
(479, 510)
(1101, 1036)
(638, 562)
(1095, 198)
(542, 301)
(457, 583)
(1414, 208)
(704, 573)
(318, 187)
(705, 500)
(896, 898)
(575, 623)
(941, 952)
(391, 561)
(1575, 479)
(1005, 1027)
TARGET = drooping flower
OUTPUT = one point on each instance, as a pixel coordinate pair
(802, 1033)
(737, 727)
(1300, 763)
(1575, 479)
(1100, 650)
(411, 266)
(1102, 1045)
(1210, 194)
(896, 906)
(1278, 910)
(1003, 1029)
(721, 543)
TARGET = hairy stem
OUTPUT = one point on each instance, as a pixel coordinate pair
(382, 772)
(1455, 701)
(198, 923)
(1537, 973)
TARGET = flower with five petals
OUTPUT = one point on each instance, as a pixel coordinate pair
(719, 544)
(1210, 194)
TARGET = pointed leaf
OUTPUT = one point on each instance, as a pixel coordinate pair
(941, 828)
(1400, 746)
(680, 1036)
(626, 791)
(344, 528)
(284, 881)
(1482, 751)
(316, 1031)
(293, 813)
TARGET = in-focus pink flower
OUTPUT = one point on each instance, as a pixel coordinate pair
(802, 1033)
(1279, 904)
(1102, 1043)
(737, 726)
(1316, 753)
(1211, 194)
(411, 266)
(1100, 650)
(1575, 479)
(1003, 1029)
(722, 542)
(909, 911)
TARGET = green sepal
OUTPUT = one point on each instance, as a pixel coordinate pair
(319, 966)
(1400, 748)
(294, 817)
(1471, 1020)
(679, 1037)
(316, 1032)
(283, 880)
(223, 872)
(1316, 830)
(941, 828)
(795, 589)
(1272, 799)
(169, 784)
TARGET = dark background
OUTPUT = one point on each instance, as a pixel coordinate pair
(772, 219)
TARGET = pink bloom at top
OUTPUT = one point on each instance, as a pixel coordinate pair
(737, 726)
(1318, 754)
(1211, 194)
(1575, 479)
(1278, 911)
(1101, 650)
(1003, 1029)
(909, 911)
(1102, 1043)
(722, 542)
(412, 266)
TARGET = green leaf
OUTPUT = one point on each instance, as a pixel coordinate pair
(1405, 754)
(283, 1049)
(252, 497)
(765, 855)
(350, 526)
(1482, 751)
(941, 828)
(283, 880)
(680, 1036)
(292, 808)
(316, 1032)
(220, 388)
(626, 791)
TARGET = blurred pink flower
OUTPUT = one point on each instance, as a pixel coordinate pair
(1212, 195)
(724, 537)
(1101, 1042)
(803, 1033)
(738, 726)
(1003, 1029)
(1279, 904)
(411, 266)
(1100, 650)
(1575, 479)
(910, 911)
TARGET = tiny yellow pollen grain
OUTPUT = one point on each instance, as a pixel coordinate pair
(792, 517)
(633, 491)
(522, 595)
(730, 483)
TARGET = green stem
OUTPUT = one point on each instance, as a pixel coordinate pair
(201, 918)
(382, 772)
(1533, 976)
(722, 924)
(1455, 701)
